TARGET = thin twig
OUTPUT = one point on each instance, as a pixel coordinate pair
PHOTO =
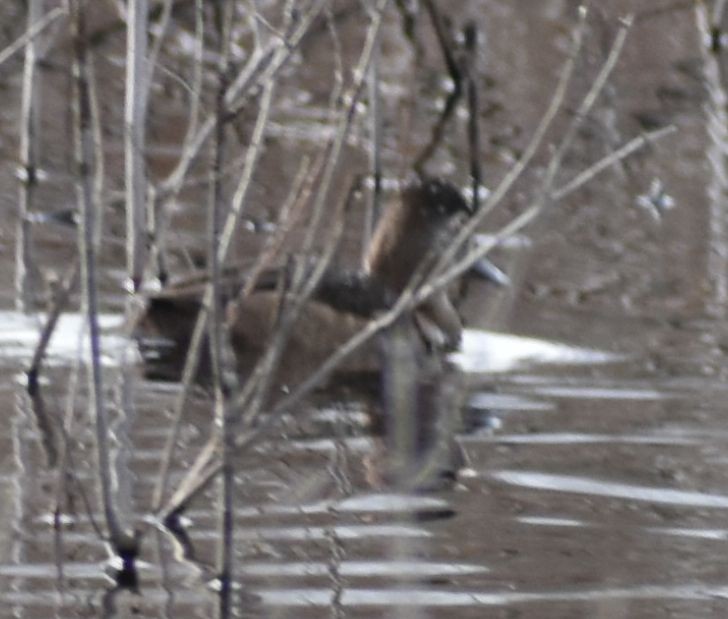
(60, 301)
(374, 205)
(471, 86)
(446, 46)
(162, 29)
(193, 119)
(456, 75)
(606, 162)
(66, 464)
(36, 27)
(585, 107)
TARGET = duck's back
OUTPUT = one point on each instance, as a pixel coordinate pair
(342, 303)
(319, 331)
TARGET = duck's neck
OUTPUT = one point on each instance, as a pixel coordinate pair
(400, 243)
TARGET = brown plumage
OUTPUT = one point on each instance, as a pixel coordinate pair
(409, 234)
(411, 229)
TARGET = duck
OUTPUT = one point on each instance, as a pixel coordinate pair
(411, 231)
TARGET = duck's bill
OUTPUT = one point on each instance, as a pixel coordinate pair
(488, 271)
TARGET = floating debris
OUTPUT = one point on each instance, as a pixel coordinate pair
(656, 201)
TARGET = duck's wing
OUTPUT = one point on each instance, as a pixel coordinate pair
(349, 292)
(352, 292)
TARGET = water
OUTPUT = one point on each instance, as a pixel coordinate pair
(596, 478)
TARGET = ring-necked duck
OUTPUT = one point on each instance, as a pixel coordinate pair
(410, 230)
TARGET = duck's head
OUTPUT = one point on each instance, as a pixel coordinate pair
(435, 198)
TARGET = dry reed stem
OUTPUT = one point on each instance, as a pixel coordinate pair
(99, 158)
(119, 535)
(29, 127)
(226, 545)
(135, 114)
(374, 205)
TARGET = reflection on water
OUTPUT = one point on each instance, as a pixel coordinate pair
(482, 401)
(290, 529)
(353, 532)
(543, 521)
(709, 534)
(369, 569)
(481, 351)
(19, 335)
(591, 392)
(596, 487)
(414, 569)
(566, 438)
(485, 352)
(427, 598)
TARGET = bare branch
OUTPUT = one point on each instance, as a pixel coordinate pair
(135, 112)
